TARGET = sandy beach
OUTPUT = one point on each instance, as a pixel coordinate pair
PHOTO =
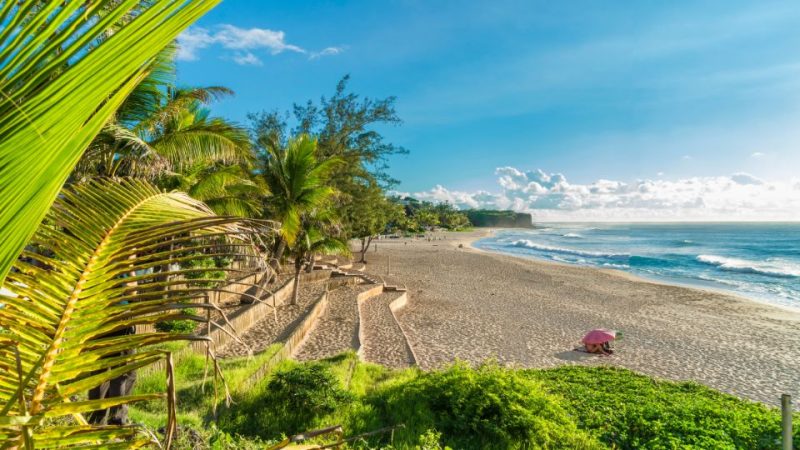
(472, 305)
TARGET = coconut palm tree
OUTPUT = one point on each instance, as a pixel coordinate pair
(315, 237)
(176, 134)
(227, 189)
(88, 274)
(298, 184)
(65, 68)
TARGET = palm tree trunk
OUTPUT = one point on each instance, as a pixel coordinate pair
(296, 290)
(279, 251)
(310, 263)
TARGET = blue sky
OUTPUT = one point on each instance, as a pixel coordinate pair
(665, 93)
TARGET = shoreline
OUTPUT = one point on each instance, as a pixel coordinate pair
(473, 305)
(490, 231)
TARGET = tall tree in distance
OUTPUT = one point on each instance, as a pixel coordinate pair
(369, 216)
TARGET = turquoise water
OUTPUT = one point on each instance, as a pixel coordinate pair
(756, 260)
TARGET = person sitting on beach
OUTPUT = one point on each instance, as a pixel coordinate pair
(600, 349)
(593, 348)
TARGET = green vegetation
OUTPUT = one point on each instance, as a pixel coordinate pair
(57, 57)
(492, 218)
(487, 407)
(178, 326)
(343, 128)
(484, 407)
(423, 215)
(104, 277)
(296, 398)
(197, 390)
(630, 411)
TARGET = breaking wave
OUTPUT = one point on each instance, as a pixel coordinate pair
(524, 243)
(769, 268)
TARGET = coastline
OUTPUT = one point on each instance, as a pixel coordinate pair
(490, 231)
(471, 304)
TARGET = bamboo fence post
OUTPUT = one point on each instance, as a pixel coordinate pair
(786, 422)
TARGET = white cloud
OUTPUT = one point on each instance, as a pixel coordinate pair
(243, 42)
(327, 51)
(686, 157)
(758, 155)
(549, 196)
(746, 178)
(247, 59)
(192, 40)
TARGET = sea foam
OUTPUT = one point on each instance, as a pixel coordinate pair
(524, 243)
(769, 268)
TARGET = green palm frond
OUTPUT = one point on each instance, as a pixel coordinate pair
(175, 104)
(227, 190)
(198, 140)
(65, 67)
(297, 181)
(147, 97)
(118, 150)
(111, 255)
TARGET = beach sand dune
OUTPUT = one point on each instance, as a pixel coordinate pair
(472, 305)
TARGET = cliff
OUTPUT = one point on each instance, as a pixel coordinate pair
(500, 219)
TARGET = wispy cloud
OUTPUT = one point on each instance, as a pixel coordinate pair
(242, 44)
(247, 59)
(328, 51)
(758, 155)
(549, 196)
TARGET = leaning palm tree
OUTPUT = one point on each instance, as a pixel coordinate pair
(298, 183)
(109, 256)
(65, 67)
(314, 238)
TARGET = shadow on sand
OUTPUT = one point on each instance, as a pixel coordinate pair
(575, 355)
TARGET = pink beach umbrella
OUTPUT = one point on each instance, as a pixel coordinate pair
(599, 336)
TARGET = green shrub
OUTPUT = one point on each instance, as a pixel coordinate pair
(293, 401)
(487, 407)
(178, 326)
(204, 266)
(626, 410)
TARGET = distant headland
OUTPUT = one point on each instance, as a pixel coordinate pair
(499, 219)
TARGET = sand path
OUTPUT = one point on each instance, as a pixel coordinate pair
(337, 330)
(384, 342)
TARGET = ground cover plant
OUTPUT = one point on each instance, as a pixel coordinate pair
(465, 407)
(627, 410)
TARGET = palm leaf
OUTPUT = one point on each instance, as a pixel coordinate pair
(297, 181)
(204, 140)
(65, 67)
(109, 256)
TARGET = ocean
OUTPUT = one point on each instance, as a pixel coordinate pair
(756, 260)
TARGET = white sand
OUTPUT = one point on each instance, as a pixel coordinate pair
(473, 305)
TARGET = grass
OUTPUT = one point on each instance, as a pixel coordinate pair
(462, 407)
(196, 399)
(627, 410)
